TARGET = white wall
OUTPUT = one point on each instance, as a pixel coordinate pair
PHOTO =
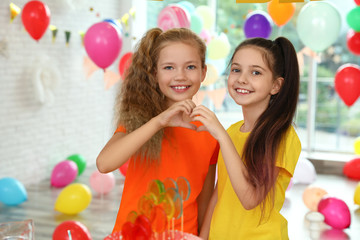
(35, 136)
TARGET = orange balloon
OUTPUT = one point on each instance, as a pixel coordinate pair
(280, 13)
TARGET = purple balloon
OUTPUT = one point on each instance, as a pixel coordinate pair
(64, 173)
(103, 43)
(257, 25)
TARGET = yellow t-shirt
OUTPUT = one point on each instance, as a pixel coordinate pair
(230, 220)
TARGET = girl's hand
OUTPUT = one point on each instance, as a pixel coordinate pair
(209, 120)
(178, 115)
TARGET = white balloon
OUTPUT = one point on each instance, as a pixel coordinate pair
(305, 172)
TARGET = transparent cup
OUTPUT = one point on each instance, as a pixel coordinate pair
(20, 230)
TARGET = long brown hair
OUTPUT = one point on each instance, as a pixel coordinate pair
(261, 148)
(140, 98)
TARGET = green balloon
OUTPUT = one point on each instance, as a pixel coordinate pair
(80, 162)
(196, 23)
(318, 25)
(353, 19)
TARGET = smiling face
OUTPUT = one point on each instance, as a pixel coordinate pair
(179, 72)
(251, 82)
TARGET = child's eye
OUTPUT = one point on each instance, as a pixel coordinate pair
(191, 67)
(255, 72)
(235, 70)
(168, 67)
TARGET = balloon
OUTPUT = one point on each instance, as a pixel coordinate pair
(334, 234)
(353, 19)
(353, 41)
(305, 172)
(173, 16)
(103, 43)
(205, 35)
(102, 183)
(357, 194)
(352, 169)
(12, 191)
(219, 64)
(335, 211)
(312, 196)
(116, 24)
(357, 2)
(347, 83)
(124, 64)
(80, 162)
(258, 24)
(280, 13)
(207, 15)
(211, 75)
(35, 17)
(63, 173)
(187, 5)
(357, 146)
(77, 230)
(318, 25)
(73, 199)
(196, 23)
(219, 47)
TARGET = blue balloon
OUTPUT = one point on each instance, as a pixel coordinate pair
(12, 192)
(116, 24)
(187, 5)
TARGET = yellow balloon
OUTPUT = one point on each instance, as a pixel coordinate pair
(207, 15)
(357, 194)
(211, 75)
(73, 199)
(219, 47)
(357, 146)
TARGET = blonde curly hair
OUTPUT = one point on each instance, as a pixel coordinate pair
(139, 98)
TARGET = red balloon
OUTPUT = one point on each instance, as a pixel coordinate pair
(124, 63)
(36, 18)
(357, 2)
(352, 169)
(347, 83)
(77, 230)
(353, 41)
(123, 169)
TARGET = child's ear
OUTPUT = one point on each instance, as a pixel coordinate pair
(277, 85)
(204, 71)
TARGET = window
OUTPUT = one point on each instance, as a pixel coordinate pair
(335, 126)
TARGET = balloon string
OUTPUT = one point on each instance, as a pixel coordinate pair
(69, 233)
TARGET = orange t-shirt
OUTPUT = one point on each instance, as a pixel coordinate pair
(184, 153)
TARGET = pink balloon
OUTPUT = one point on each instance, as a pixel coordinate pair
(102, 182)
(103, 44)
(173, 16)
(64, 173)
(205, 35)
(335, 211)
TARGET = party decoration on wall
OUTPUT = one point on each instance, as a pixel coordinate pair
(111, 78)
(318, 25)
(357, 146)
(173, 16)
(125, 19)
(54, 31)
(123, 169)
(280, 13)
(305, 172)
(353, 19)
(12, 191)
(335, 211)
(77, 230)
(82, 35)
(103, 44)
(353, 41)
(73, 199)
(14, 11)
(258, 24)
(347, 83)
(312, 196)
(357, 194)
(80, 162)
(63, 173)
(116, 24)
(35, 18)
(102, 183)
(67, 37)
(45, 77)
(124, 64)
(89, 67)
(352, 169)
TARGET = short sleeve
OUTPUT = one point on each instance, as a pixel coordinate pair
(291, 148)
(120, 129)
(215, 155)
